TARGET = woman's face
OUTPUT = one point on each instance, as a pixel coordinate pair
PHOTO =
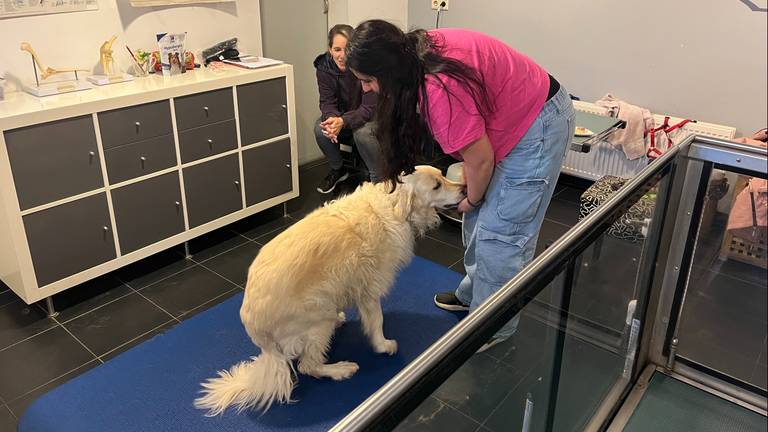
(368, 82)
(338, 50)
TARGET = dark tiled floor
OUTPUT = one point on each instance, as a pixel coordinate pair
(109, 315)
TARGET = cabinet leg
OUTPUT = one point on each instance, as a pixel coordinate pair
(49, 305)
(187, 255)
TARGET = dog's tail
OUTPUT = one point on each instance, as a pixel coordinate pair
(248, 384)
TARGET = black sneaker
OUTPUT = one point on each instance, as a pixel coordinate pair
(331, 180)
(450, 302)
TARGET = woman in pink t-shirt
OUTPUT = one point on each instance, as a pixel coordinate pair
(486, 104)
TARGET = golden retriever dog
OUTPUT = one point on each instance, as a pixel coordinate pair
(346, 253)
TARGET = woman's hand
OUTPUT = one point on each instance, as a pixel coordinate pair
(464, 206)
(332, 126)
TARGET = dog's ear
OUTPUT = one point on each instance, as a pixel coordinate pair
(404, 202)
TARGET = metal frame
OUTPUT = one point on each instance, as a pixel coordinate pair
(630, 405)
(392, 402)
(697, 162)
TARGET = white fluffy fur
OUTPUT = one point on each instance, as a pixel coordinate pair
(345, 253)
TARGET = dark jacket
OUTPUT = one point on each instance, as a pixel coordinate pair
(340, 94)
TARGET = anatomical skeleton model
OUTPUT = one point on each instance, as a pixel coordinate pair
(45, 72)
(105, 56)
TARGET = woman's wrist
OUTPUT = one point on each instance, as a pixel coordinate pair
(474, 204)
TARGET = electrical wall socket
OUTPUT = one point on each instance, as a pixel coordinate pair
(436, 4)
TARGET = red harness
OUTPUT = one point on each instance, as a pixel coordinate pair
(653, 151)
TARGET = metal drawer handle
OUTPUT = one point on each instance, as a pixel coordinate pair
(138, 125)
(284, 106)
(287, 165)
(92, 154)
(178, 204)
(143, 159)
(210, 143)
(106, 228)
(205, 108)
(237, 184)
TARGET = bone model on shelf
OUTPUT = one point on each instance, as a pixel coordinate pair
(46, 72)
(105, 55)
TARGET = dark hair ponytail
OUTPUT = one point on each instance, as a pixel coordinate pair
(400, 62)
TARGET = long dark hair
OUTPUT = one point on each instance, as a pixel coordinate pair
(401, 62)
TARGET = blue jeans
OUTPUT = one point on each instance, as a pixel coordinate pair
(364, 138)
(500, 237)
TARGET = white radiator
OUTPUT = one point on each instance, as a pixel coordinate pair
(603, 159)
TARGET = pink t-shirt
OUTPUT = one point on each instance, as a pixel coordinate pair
(517, 86)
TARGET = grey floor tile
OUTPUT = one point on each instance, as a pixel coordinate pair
(448, 232)
(44, 357)
(742, 271)
(569, 193)
(549, 233)
(154, 268)
(234, 264)
(565, 212)
(587, 375)
(258, 225)
(215, 242)
(116, 323)
(88, 296)
(7, 420)
(19, 321)
(187, 290)
(437, 251)
(433, 415)
(6, 295)
(478, 386)
(20, 404)
(143, 338)
(533, 390)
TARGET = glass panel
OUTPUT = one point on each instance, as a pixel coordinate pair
(603, 318)
(723, 322)
(497, 387)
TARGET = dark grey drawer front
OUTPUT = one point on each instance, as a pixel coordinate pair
(148, 211)
(70, 238)
(204, 108)
(136, 123)
(262, 110)
(141, 158)
(267, 171)
(56, 160)
(207, 141)
(212, 189)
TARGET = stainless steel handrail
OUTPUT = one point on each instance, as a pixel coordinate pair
(367, 413)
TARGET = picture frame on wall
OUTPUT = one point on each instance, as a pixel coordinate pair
(149, 3)
(17, 8)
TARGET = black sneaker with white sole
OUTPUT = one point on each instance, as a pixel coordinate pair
(450, 302)
(331, 180)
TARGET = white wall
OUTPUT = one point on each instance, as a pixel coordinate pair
(353, 12)
(702, 59)
(73, 39)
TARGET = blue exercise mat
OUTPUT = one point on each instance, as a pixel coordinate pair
(152, 386)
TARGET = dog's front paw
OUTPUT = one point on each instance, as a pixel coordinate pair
(388, 346)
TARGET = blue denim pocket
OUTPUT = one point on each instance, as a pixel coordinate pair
(503, 256)
(520, 199)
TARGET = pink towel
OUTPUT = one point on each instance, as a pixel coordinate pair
(631, 139)
(748, 222)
